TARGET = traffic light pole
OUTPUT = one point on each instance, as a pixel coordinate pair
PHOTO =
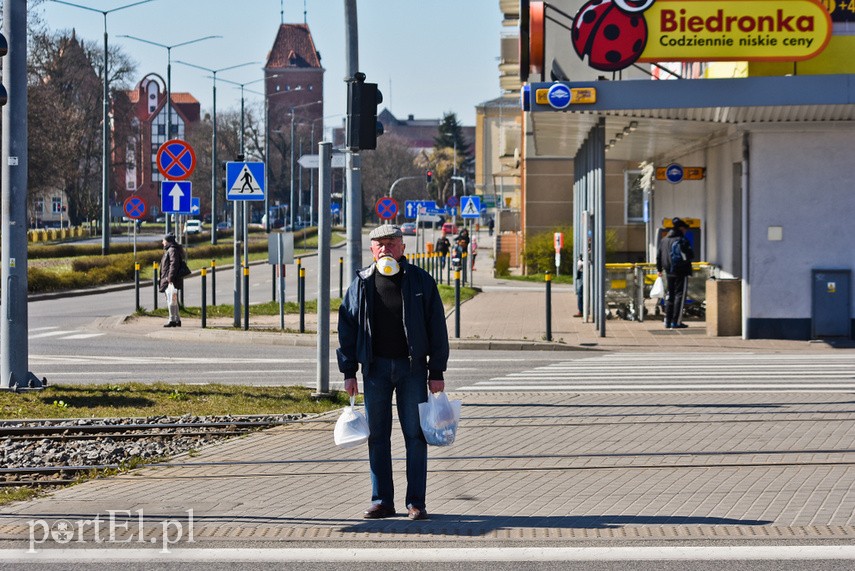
(352, 163)
(14, 349)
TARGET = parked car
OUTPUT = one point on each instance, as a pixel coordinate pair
(408, 228)
(224, 225)
(193, 227)
(449, 228)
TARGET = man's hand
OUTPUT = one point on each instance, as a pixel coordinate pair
(351, 387)
(436, 386)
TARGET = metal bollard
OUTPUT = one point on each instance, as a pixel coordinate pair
(246, 298)
(548, 278)
(156, 284)
(341, 278)
(299, 269)
(273, 282)
(463, 264)
(302, 294)
(213, 282)
(204, 297)
(457, 304)
(447, 269)
(137, 285)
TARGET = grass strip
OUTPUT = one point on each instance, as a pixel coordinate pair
(169, 399)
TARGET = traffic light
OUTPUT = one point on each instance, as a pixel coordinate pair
(429, 176)
(362, 124)
(4, 49)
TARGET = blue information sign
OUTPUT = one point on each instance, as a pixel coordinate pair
(470, 207)
(245, 181)
(176, 197)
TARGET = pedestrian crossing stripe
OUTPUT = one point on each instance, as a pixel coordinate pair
(711, 373)
(470, 207)
(245, 181)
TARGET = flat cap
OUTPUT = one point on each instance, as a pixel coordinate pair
(386, 231)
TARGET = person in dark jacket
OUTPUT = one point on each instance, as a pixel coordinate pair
(170, 274)
(676, 263)
(443, 247)
(392, 324)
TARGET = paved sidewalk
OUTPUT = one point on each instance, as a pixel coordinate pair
(545, 467)
(548, 467)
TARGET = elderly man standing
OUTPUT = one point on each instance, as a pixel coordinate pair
(392, 324)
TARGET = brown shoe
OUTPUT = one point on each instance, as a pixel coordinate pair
(577, 315)
(379, 511)
(416, 513)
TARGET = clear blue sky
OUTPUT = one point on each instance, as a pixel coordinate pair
(438, 55)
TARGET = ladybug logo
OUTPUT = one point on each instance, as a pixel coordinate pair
(611, 33)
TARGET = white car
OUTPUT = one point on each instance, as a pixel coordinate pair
(193, 227)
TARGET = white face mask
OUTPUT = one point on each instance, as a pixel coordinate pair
(388, 266)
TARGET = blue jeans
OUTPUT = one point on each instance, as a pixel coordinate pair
(410, 387)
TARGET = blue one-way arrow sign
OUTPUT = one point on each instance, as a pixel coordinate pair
(176, 197)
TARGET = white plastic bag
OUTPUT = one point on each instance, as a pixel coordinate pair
(658, 289)
(171, 294)
(439, 418)
(351, 429)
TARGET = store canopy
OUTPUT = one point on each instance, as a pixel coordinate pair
(647, 118)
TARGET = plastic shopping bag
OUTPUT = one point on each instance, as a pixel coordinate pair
(351, 429)
(171, 294)
(658, 289)
(439, 418)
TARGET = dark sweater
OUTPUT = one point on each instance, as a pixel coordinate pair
(388, 336)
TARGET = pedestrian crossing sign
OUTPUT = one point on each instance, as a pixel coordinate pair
(470, 206)
(245, 181)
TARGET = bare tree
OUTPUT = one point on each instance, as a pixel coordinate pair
(382, 167)
(65, 119)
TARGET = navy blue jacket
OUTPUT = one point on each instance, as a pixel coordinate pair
(424, 322)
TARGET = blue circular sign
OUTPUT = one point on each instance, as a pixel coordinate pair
(134, 207)
(452, 201)
(558, 96)
(386, 208)
(674, 173)
(176, 159)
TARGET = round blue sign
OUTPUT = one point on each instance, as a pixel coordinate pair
(558, 96)
(452, 201)
(674, 173)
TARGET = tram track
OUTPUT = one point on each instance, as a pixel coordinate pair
(37, 452)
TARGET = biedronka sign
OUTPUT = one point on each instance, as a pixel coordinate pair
(614, 34)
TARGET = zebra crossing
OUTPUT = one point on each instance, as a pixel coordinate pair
(685, 372)
(61, 334)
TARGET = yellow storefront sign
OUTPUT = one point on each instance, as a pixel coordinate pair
(735, 30)
(578, 96)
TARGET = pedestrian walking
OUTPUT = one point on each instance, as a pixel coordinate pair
(392, 325)
(674, 257)
(580, 287)
(474, 246)
(171, 278)
(442, 247)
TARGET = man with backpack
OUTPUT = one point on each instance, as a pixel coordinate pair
(674, 257)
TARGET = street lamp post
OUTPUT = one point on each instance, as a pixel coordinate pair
(105, 150)
(214, 185)
(168, 49)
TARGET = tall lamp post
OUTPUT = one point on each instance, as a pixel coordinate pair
(105, 151)
(168, 49)
(214, 185)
